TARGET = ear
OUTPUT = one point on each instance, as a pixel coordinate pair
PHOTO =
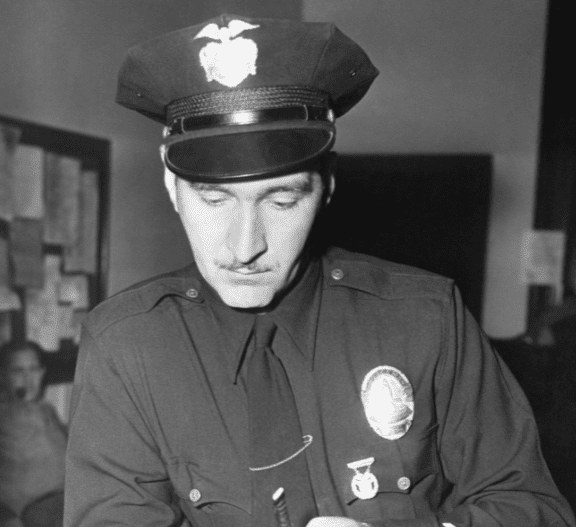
(330, 189)
(169, 181)
(170, 184)
(330, 179)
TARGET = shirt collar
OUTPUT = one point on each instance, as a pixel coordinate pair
(296, 315)
(233, 327)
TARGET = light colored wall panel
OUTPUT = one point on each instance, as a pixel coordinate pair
(456, 77)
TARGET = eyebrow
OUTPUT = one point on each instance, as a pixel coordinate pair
(302, 187)
(207, 187)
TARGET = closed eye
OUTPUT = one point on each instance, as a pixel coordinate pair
(214, 198)
(285, 200)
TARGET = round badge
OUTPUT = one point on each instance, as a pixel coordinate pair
(388, 401)
(365, 486)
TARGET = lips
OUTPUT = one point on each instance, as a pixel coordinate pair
(248, 272)
(247, 277)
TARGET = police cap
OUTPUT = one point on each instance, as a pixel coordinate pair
(245, 98)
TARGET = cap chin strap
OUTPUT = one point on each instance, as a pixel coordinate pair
(247, 117)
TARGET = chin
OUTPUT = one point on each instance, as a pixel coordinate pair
(247, 297)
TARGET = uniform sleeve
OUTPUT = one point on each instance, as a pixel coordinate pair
(114, 474)
(488, 439)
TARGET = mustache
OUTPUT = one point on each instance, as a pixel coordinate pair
(253, 267)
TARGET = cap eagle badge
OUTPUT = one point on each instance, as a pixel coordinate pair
(230, 60)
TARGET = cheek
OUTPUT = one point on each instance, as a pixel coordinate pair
(297, 225)
(290, 234)
(205, 233)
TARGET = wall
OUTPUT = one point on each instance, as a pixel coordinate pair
(456, 77)
(59, 62)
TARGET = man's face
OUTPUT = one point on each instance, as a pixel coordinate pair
(25, 374)
(248, 237)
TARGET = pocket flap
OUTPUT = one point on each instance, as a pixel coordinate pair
(398, 465)
(212, 483)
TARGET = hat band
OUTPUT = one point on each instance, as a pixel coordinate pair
(247, 117)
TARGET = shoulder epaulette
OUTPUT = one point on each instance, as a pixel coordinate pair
(140, 298)
(382, 278)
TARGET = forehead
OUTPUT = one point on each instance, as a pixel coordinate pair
(298, 182)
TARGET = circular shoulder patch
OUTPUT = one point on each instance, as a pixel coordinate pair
(388, 401)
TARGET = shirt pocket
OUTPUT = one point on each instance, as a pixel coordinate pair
(212, 489)
(406, 470)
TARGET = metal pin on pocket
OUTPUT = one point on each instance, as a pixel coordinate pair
(364, 483)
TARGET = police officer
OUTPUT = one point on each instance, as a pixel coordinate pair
(269, 381)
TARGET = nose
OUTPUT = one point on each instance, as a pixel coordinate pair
(247, 235)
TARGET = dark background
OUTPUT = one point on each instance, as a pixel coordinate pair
(429, 211)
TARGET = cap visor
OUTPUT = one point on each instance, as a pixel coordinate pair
(247, 155)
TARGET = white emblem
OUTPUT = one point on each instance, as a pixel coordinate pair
(230, 60)
(388, 401)
(364, 484)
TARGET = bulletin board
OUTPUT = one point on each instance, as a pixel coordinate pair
(53, 237)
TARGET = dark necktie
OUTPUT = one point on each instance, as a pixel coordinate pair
(277, 457)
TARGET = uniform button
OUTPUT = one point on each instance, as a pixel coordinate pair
(192, 293)
(337, 274)
(195, 495)
(403, 483)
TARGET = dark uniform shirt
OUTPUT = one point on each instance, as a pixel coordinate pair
(159, 432)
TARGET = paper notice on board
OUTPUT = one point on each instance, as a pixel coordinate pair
(70, 321)
(4, 265)
(82, 256)
(61, 192)
(73, 290)
(543, 257)
(26, 252)
(9, 137)
(42, 309)
(5, 327)
(9, 300)
(28, 182)
(66, 313)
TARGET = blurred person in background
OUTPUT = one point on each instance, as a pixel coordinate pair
(32, 442)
